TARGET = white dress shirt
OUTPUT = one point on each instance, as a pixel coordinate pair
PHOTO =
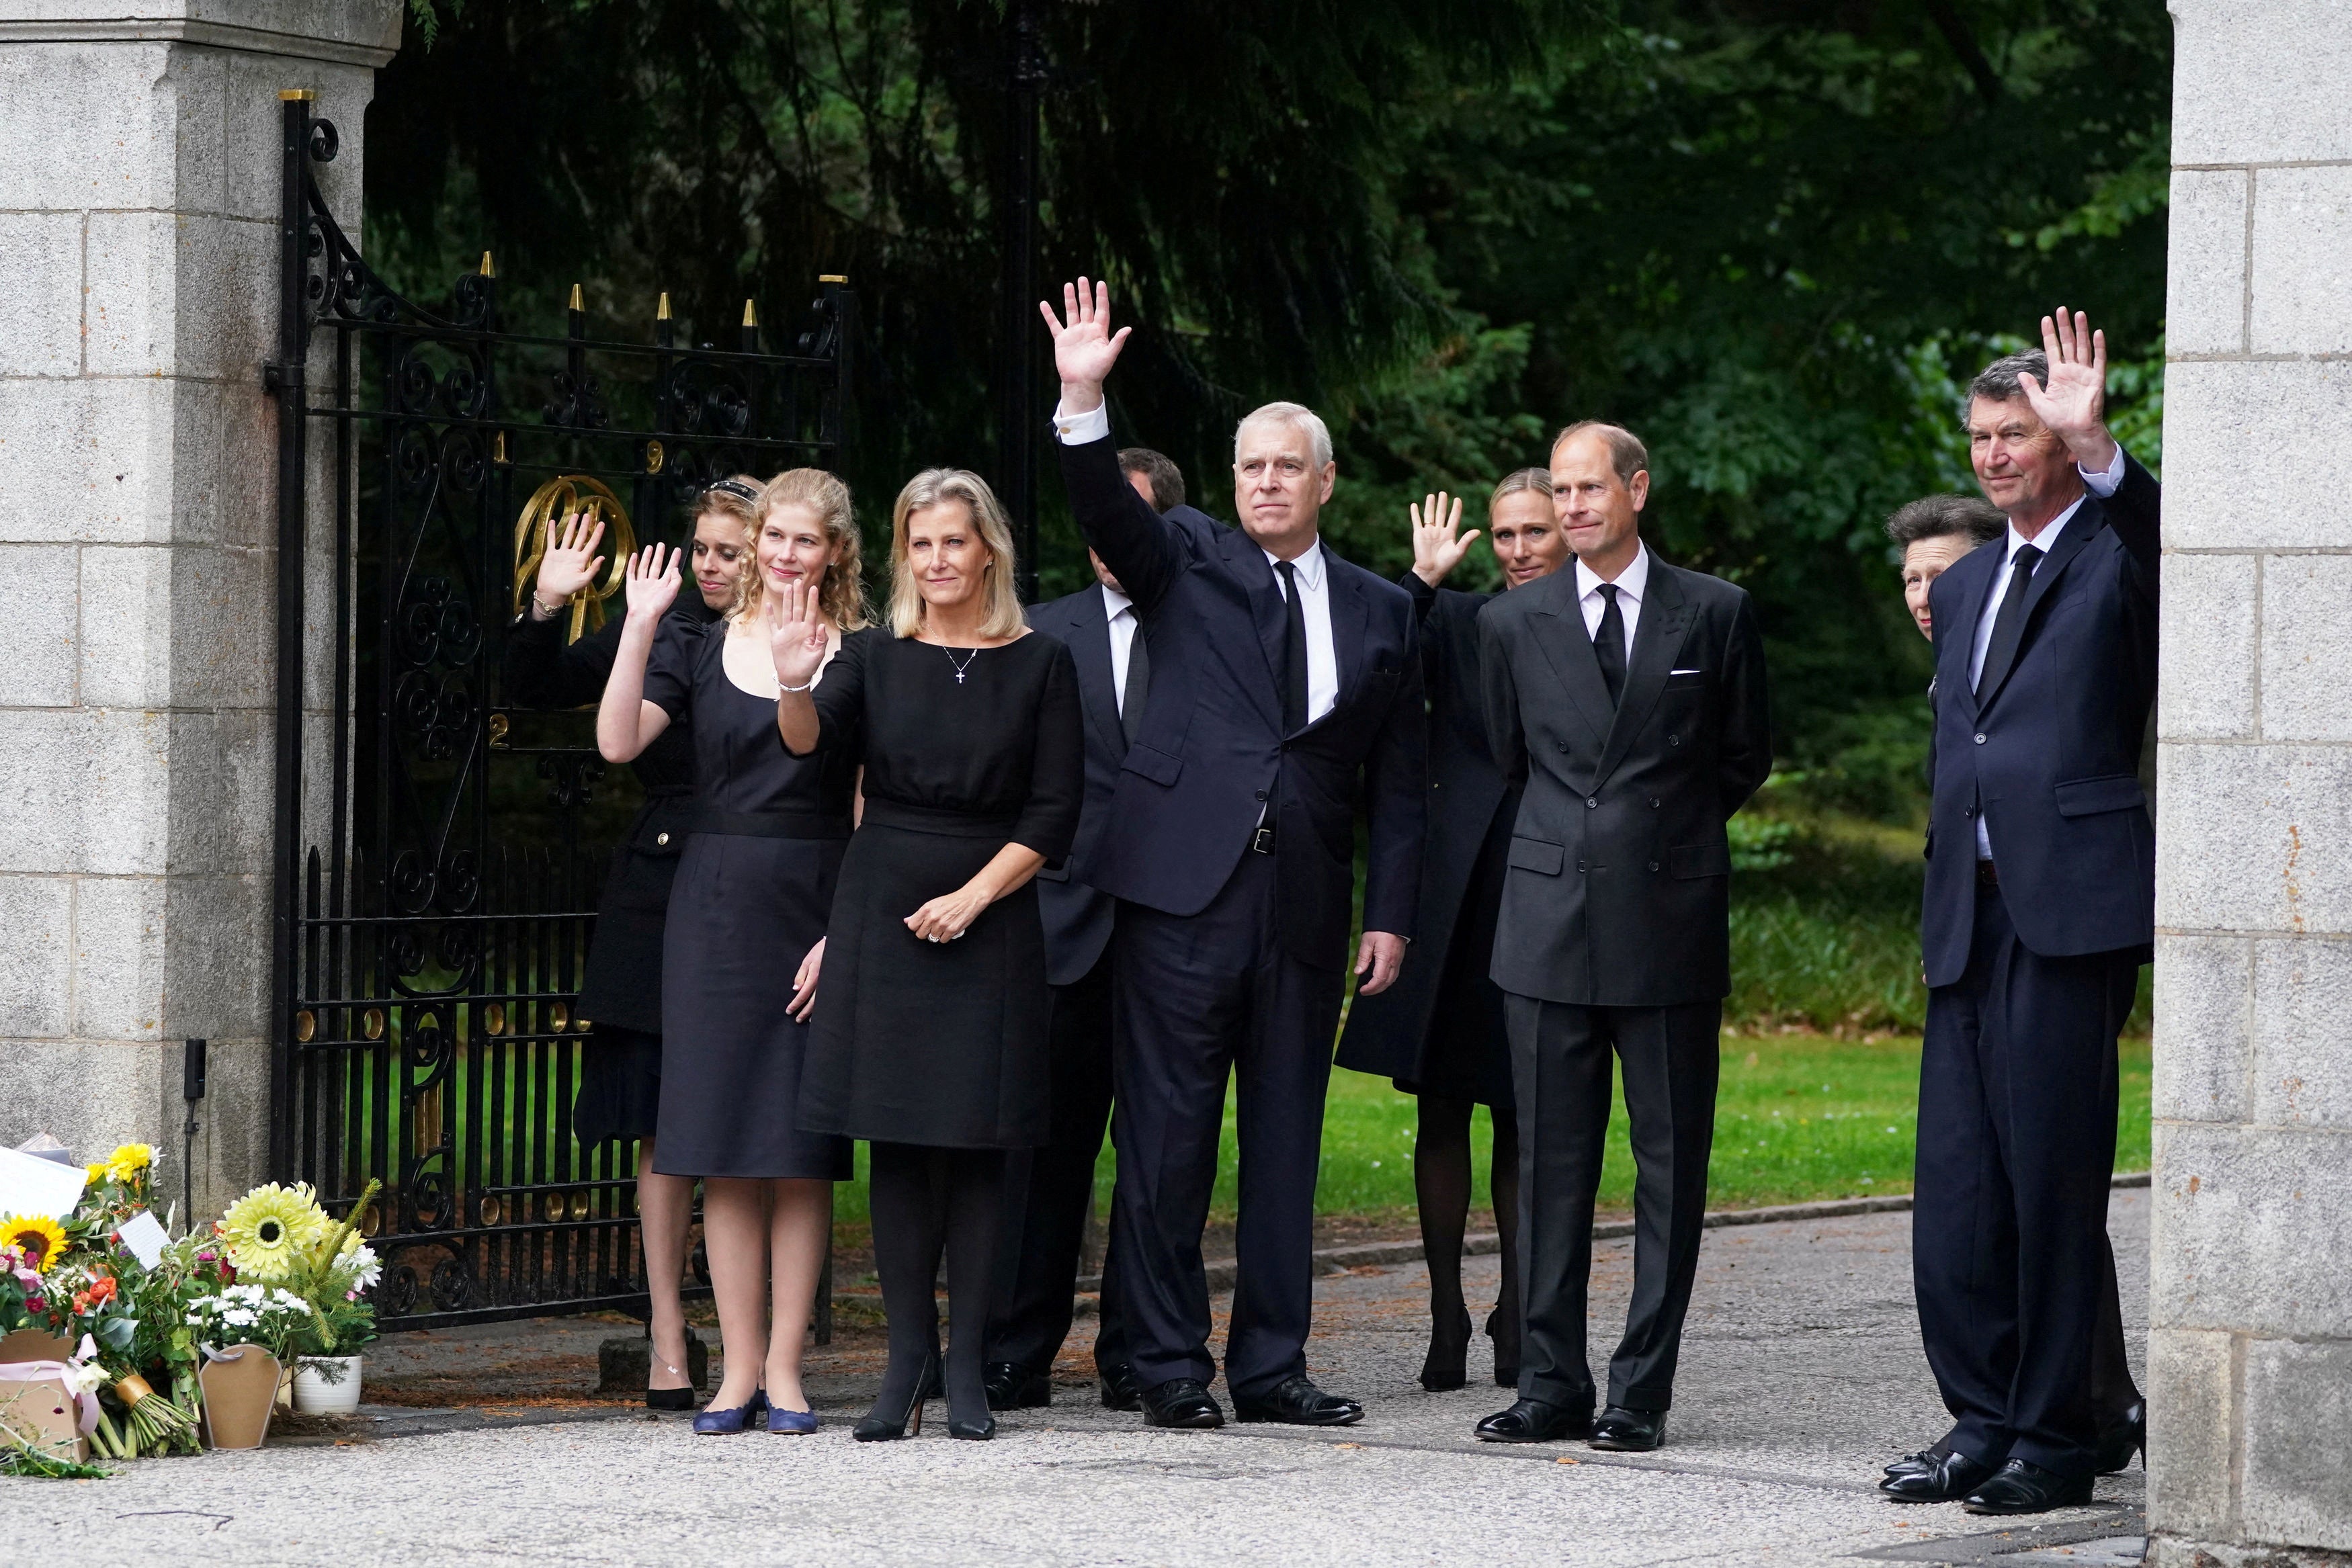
(1632, 584)
(2101, 485)
(1314, 586)
(1119, 610)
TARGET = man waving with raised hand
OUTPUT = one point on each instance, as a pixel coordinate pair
(1285, 689)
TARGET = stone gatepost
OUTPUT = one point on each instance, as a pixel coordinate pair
(2250, 1352)
(139, 263)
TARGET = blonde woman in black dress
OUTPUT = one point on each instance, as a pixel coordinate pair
(748, 907)
(930, 1033)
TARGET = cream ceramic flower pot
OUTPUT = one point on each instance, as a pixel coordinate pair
(327, 1385)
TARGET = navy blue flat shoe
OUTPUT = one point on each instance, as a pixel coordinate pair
(799, 1423)
(726, 1423)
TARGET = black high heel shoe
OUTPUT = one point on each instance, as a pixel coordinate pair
(1507, 1346)
(669, 1398)
(879, 1426)
(1448, 1364)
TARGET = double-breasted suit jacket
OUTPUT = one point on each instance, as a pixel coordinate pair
(1617, 893)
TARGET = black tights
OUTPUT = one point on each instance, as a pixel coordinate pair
(925, 1200)
(1441, 1182)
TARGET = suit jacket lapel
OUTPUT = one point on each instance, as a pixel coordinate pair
(1090, 650)
(1657, 638)
(2087, 521)
(1249, 567)
(1567, 647)
(1980, 606)
(1350, 617)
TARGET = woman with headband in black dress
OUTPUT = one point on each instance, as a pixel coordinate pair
(620, 1062)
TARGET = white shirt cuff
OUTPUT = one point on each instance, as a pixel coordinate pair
(1077, 429)
(2107, 484)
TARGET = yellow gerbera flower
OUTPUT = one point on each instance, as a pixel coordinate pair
(270, 1230)
(129, 1159)
(36, 1236)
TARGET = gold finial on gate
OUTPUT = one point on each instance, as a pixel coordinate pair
(661, 312)
(298, 95)
(750, 316)
(488, 270)
(833, 277)
(575, 304)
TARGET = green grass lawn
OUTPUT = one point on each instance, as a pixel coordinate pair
(1799, 1117)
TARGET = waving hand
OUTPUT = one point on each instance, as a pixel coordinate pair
(1085, 348)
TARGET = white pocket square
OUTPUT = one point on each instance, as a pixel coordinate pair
(1686, 672)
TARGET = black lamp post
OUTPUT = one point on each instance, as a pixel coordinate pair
(1018, 414)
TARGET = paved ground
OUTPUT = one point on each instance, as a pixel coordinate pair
(1800, 1374)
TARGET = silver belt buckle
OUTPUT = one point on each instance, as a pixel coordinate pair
(1262, 840)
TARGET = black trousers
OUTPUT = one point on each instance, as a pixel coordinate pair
(1561, 1071)
(1049, 1191)
(2009, 1224)
(1199, 998)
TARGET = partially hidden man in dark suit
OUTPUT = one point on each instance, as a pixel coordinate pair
(2040, 908)
(1050, 1192)
(1629, 696)
(1286, 688)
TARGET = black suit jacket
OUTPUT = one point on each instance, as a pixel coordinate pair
(622, 981)
(1386, 1033)
(1619, 889)
(1213, 755)
(1078, 917)
(2050, 752)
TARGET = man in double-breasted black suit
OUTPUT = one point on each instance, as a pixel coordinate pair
(1048, 1203)
(1629, 696)
(2040, 908)
(1286, 688)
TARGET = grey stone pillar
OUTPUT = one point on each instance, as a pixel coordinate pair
(2250, 1352)
(139, 261)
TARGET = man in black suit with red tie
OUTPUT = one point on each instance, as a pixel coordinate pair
(1048, 1202)
(2040, 909)
(1285, 690)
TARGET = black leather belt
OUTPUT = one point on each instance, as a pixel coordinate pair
(1262, 840)
(1986, 876)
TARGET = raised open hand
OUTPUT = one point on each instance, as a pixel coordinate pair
(651, 582)
(1435, 549)
(569, 562)
(796, 634)
(2074, 404)
(1085, 348)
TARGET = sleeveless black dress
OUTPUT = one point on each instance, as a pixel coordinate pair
(941, 1043)
(750, 899)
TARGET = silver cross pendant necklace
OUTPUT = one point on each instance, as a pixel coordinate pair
(968, 655)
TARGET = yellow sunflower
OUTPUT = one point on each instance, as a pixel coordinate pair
(271, 1228)
(36, 1236)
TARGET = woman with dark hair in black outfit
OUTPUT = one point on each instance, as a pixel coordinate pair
(620, 1062)
(930, 1037)
(1438, 1032)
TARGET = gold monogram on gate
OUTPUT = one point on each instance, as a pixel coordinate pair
(555, 501)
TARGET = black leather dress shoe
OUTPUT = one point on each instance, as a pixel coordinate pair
(1914, 1462)
(1296, 1402)
(1012, 1387)
(1181, 1402)
(1623, 1431)
(1939, 1476)
(1119, 1389)
(2019, 1487)
(1533, 1421)
(2119, 1442)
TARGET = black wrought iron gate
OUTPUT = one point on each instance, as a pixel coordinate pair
(439, 850)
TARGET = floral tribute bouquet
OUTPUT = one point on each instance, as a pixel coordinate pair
(279, 1237)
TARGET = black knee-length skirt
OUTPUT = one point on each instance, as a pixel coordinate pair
(743, 911)
(940, 1043)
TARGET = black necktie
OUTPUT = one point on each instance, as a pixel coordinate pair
(1609, 643)
(2009, 623)
(1294, 650)
(1139, 680)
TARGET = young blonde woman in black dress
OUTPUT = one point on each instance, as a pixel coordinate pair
(930, 1033)
(750, 906)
